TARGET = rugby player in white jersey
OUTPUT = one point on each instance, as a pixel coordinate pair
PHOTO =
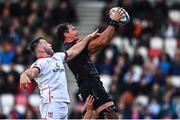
(48, 71)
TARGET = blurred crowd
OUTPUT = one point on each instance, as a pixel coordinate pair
(140, 68)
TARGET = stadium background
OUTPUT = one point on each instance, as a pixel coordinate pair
(140, 68)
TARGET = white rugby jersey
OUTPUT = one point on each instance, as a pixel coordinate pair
(52, 78)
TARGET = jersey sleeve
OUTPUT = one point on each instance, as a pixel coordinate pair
(62, 56)
(39, 64)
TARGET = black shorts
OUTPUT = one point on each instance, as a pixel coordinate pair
(93, 86)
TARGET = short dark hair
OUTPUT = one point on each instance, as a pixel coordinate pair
(33, 44)
(60, 30)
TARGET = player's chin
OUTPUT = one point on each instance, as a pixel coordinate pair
(77, 36)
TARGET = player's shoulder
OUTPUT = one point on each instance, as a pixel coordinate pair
(59, 55)
(41, 61)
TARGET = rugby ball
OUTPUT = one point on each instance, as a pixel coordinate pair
(123, 20)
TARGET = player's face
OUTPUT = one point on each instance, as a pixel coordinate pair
(73, 33)
(46, 47)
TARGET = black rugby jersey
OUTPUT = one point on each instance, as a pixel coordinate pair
(81, 66)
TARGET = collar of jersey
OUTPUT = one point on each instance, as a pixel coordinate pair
(68, 41)
(42, 57)
(72, 41)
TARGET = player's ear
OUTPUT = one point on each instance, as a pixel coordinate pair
(66, 34)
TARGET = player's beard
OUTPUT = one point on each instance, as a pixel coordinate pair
(49, 51)
(78, 38)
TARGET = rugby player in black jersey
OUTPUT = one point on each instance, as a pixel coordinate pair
(83, 68)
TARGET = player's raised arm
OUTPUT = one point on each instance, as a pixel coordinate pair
(106, 36)
(77, 48)
(27, 76)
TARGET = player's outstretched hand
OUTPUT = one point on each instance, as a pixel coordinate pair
(89, 103)
(117, 14)
(24, 81)
(94, 34)
(89, 107)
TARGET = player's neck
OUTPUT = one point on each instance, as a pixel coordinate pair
(72, 40)
(42, 55)
(68, 40)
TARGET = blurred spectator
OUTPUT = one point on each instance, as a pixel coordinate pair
(14, 114)
(154, 108)
(10, 82)
(7, 54)
(19, 58)
(30, 113)
(156, 91)
(137, 59)
(2, 116)
(136, 112)
(63, 12)
(161, 13)
(164, 63)
(176, 64)
(2, 79)
(167, 108)
(106, 66)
